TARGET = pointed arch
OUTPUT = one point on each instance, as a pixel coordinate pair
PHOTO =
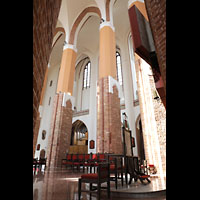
(107, 10)
(59, 31)
(79, 132)
(92, 9)
(140, 138)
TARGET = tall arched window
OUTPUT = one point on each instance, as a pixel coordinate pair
(119, 68)
(86, 76)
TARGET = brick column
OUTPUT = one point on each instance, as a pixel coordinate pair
(109, 136)
(152, 118)
(61, 123)
(60, 135)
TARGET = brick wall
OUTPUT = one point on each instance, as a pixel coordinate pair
(60, 132)
(160, 119)
(156, 10)
(45, 15)
(109, 138)
(65, 131)
(153, 118)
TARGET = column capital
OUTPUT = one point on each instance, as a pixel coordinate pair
(69, 46)
(107, 23)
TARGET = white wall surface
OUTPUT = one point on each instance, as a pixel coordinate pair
(47, 109)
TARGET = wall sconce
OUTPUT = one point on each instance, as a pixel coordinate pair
(92, 143)
(38, 147)
(155, 95)
(64, 43)
(102, 20)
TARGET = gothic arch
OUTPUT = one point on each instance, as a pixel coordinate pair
(78, 127)
(76, 25)
(137, 121)
(140, 139)
(58, 31)
(82, 59)
(107, 10)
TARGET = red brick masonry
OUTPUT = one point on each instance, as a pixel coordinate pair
(59, 139)
(109, 136)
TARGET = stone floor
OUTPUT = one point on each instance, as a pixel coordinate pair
(63, 185)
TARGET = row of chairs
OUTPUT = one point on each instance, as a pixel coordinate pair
(118, 165)
(83, 160)
(91, 162)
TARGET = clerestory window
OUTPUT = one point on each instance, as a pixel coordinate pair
(86, 75)
(119, 68)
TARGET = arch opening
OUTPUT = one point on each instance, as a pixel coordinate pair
(80, 21)
(79, 138)
(140, 139)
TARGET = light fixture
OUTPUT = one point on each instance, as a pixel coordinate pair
(64, 43)
(102, 20)
(156, 95)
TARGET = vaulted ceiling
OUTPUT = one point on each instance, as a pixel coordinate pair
(88, 36)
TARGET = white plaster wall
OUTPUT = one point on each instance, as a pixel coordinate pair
(93, 105)
(89, 98)
(128, 87)
(46, 113)
(77, 93)
(81, 96)
(63, 18)
(85, 99)
(133, 71)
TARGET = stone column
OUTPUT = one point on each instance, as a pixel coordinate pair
(109, 136)
(61, 123)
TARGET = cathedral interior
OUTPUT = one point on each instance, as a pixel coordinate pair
(99, 88)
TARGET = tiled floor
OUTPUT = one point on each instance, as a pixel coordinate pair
(63, 185)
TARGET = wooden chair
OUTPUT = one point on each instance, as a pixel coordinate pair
(102, 176)
(133, 170)
(87, 162)
(101, 157)
(93, 161)
(143, 167)
(67, 161)
(74, 161)
(79, 161)
(117, 168)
